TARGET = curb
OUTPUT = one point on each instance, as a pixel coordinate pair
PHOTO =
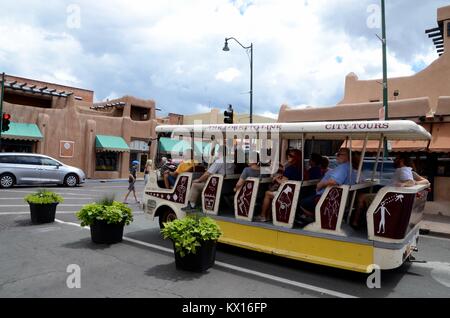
(110, 180)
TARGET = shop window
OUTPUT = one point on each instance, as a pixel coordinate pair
(106, 161)
(18, 146)
(443, 167)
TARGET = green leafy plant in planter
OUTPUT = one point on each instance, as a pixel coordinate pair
(106, 219)
(194, 239)
(43, 205)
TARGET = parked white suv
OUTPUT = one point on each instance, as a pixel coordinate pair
(24, 168)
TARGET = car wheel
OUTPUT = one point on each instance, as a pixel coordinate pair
(71, 180)
(7, 180)
(166, 216)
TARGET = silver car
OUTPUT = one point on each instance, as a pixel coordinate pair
(23, 168)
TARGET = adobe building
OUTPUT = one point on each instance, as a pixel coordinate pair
(64, 123)
(423, 98)
(215, 116)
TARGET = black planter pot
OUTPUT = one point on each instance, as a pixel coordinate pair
(104, 233)
(42, 213)
(200, 261)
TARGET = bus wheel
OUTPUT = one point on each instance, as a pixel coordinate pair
(167, 215)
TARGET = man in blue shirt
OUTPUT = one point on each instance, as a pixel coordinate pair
(336, 177)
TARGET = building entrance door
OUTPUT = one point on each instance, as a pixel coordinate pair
(139, 152)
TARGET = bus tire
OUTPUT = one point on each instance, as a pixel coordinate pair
(167, 215)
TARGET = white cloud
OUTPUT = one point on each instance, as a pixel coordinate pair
(269, 114)
(64, 77)
(171, 51)
(202, 108)
(111, 96)
(228, 75)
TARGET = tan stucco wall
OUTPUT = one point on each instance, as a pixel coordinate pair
(411, 109)
(431, 82)
(216, 117)
(441, 189)
(86, 95)
(71, 123)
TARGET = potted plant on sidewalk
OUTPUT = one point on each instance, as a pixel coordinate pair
(43, 206)
(194, 240)
(106, 219)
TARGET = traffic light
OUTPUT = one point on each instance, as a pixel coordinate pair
(228, 115)
(5, 121)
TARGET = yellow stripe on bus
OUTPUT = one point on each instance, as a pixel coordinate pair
(323, 251)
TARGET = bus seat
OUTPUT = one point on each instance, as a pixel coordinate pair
(395, 212)
(284, 204)
(199, 168)
(330, 210)
(354, 191)
(178, 195)
(245, 199)
(211, 194)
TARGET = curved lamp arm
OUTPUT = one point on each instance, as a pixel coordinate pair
(232, 38)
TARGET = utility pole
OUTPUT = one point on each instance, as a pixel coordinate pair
(1, 107)
(251, 83)
(385, 80)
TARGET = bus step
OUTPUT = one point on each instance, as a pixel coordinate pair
(412, 259)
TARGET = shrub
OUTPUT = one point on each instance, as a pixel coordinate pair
(43, 196)
(188, 233)
(106, 209)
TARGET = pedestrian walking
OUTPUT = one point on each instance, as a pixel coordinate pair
(131, 183)
(147, 168)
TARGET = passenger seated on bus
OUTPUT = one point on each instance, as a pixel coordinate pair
(219, 166)
(338, 176)
(314, 171)
(324, 163)
(185, 166)
(253, 170)
(292, 171)
(404, 176)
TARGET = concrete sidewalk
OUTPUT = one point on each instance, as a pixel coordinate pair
(90, 181)
(436, 219)
(435, 225)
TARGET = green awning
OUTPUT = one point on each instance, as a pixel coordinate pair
(111, 143)
(172, 145)
(22, 131)
(177, 146)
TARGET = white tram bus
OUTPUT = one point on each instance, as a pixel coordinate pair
(391, 229)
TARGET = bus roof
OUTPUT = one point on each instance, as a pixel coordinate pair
(338, 130)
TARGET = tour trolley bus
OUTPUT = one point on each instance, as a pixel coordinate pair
(392, 219)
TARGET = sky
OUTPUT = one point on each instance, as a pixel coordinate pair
(171, 50)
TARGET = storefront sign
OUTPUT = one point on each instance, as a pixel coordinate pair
(139, 145)
(66, 149)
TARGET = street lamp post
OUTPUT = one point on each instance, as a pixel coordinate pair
(226, 49)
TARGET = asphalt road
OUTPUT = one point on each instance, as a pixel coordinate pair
(34, 261)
